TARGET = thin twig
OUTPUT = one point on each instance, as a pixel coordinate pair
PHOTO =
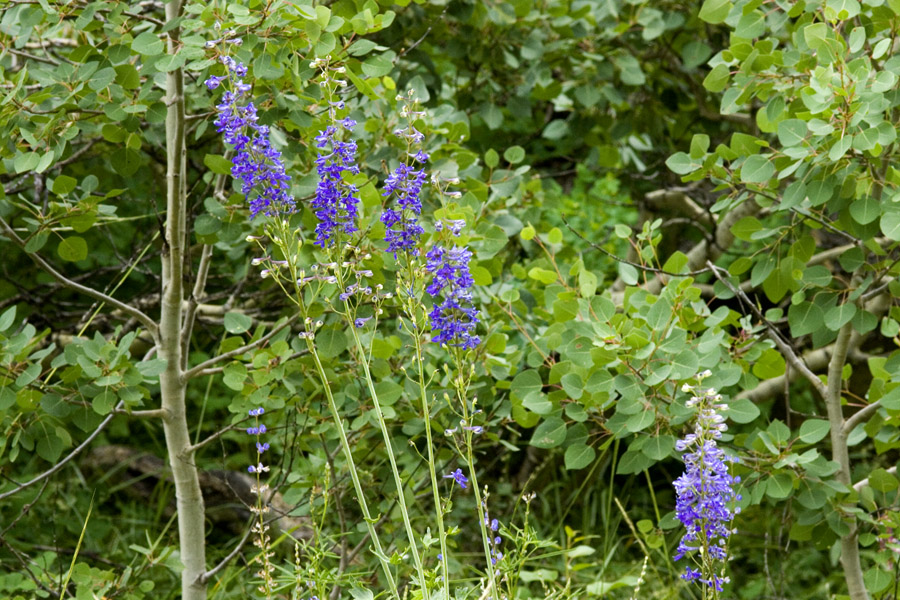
(628, 262)
(149, 323)
(63, 462)
(197, 370)
(783, 346)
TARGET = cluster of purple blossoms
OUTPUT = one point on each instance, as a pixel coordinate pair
(256, 163)
(493, 526)
(337, 202)
(705, 492)
(454, 318)
(402, 222)
(258, 430)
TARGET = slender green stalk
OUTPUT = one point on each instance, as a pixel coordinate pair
(348, 456)
(290, 247)
(382, 424)
(439, 510)
(461, 385)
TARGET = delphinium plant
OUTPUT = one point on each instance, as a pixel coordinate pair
(706, 492)
(345, 285)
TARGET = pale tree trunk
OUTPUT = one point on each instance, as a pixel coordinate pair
(850, 560)
(189, 498)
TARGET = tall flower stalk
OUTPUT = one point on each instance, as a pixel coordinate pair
(705, 492)
(301, 288)
(256, 163)
(336, 203)
(453, 319)
(259, 489)
(401, 215)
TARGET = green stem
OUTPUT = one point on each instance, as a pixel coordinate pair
(291, 253)
(348, 456)
(431, 467)
(461, 387)
(390, 450)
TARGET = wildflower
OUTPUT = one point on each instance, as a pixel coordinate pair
(403, 228)
(453, 319)
(705, 491)
(336, 202)
(459, 477)
(259, 167)
(360, 322)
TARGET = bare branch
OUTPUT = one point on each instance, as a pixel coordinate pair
(774, 334)
(628, 262)
(63, 462)
(197, 370)
(145, 320)
(224, 562)
(860, 416)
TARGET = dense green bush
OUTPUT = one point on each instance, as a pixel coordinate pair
(650, 190)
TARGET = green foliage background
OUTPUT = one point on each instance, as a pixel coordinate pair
(651, 189)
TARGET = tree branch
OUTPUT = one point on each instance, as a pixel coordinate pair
(144, 319)
(70, 456)
(774, 334)
(199, 369)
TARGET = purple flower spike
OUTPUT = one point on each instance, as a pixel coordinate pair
(454, 318)
(705, 492)
(258, 165)
(336, 202)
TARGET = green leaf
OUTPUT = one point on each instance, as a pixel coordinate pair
(549, 434)
(147, 44)
(840, 315)
(491, 158)
(791, 132)
(745, 228)
(805, 318)
(682, 164)
(234, 375)
(514, 154)
(890, 224)
(7, 318)
(757, 169)
(715, 11)
(659, 447)
(882, 481)
(717, 79)
(742, 411)
(379, 65)
(545, 276)
(779, 486)
(865, 210)
(556, 130)
(217, 164)
(64, 184)
(236, 322)
(572, 385)
(27, 161)
(814, 430)
(579, 456)
(816, 35)
(73, 249)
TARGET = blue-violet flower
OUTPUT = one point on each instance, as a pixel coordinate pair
(705, 492)
(256, 163)
(453, 319)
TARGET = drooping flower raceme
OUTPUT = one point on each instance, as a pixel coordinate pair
(337, 202)
(256, 163)
(259, 489)
(453, 318)
(705, 492)
(405, 184)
